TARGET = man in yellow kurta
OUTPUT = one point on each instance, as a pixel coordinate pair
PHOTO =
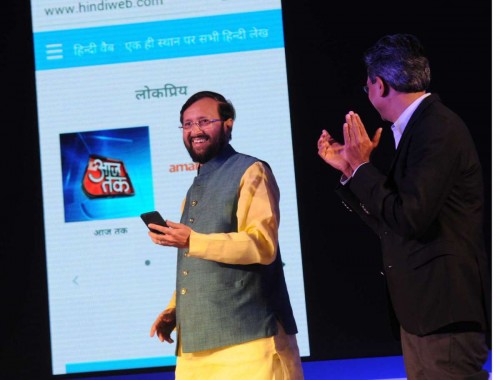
(231, 307)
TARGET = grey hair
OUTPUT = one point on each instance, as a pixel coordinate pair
(400, 61)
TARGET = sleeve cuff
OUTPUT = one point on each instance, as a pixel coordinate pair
(355, 170)
(344, 180)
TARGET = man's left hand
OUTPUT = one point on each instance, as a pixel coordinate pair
(175, 235)
(357, 144)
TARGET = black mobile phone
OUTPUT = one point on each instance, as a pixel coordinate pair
(153, 217)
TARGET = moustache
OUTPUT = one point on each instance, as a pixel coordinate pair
(207, 137)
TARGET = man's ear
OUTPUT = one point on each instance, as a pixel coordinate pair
(228, 123)
(382, 86)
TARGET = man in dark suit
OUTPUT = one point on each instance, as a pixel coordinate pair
(427, 211)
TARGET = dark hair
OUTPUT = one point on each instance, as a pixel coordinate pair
(400, 61)
(226, 109)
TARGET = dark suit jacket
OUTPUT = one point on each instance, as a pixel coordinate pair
(428, 213)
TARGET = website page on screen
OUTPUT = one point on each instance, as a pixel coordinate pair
(111, 77)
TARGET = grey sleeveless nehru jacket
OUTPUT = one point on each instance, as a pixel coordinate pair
(222, 304)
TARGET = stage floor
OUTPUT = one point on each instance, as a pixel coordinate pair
(379, 368)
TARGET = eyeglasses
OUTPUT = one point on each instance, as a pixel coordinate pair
(188, 125)
(365, 89)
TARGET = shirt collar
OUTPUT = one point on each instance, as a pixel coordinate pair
(400, 124)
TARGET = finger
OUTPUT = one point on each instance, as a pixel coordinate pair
(154, 235)
(360, 127)
(329, 139)
(347, 135)
(324, 140)
(321, 139)
(159, 228)
(153, 330)
(173, 224)
(322, 152)
(355, 130)
(376, 137)
(165, 242)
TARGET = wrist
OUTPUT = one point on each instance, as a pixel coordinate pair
(347, 171)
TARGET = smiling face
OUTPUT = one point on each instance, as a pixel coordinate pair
(204, 143)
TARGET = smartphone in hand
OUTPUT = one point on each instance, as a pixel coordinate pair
(153, 217)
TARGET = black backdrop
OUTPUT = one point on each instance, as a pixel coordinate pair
(346, 302)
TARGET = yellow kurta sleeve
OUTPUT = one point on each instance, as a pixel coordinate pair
(256, 240)
(172, 303)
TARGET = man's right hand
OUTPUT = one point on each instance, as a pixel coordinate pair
(164, 325)
(332, 153)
